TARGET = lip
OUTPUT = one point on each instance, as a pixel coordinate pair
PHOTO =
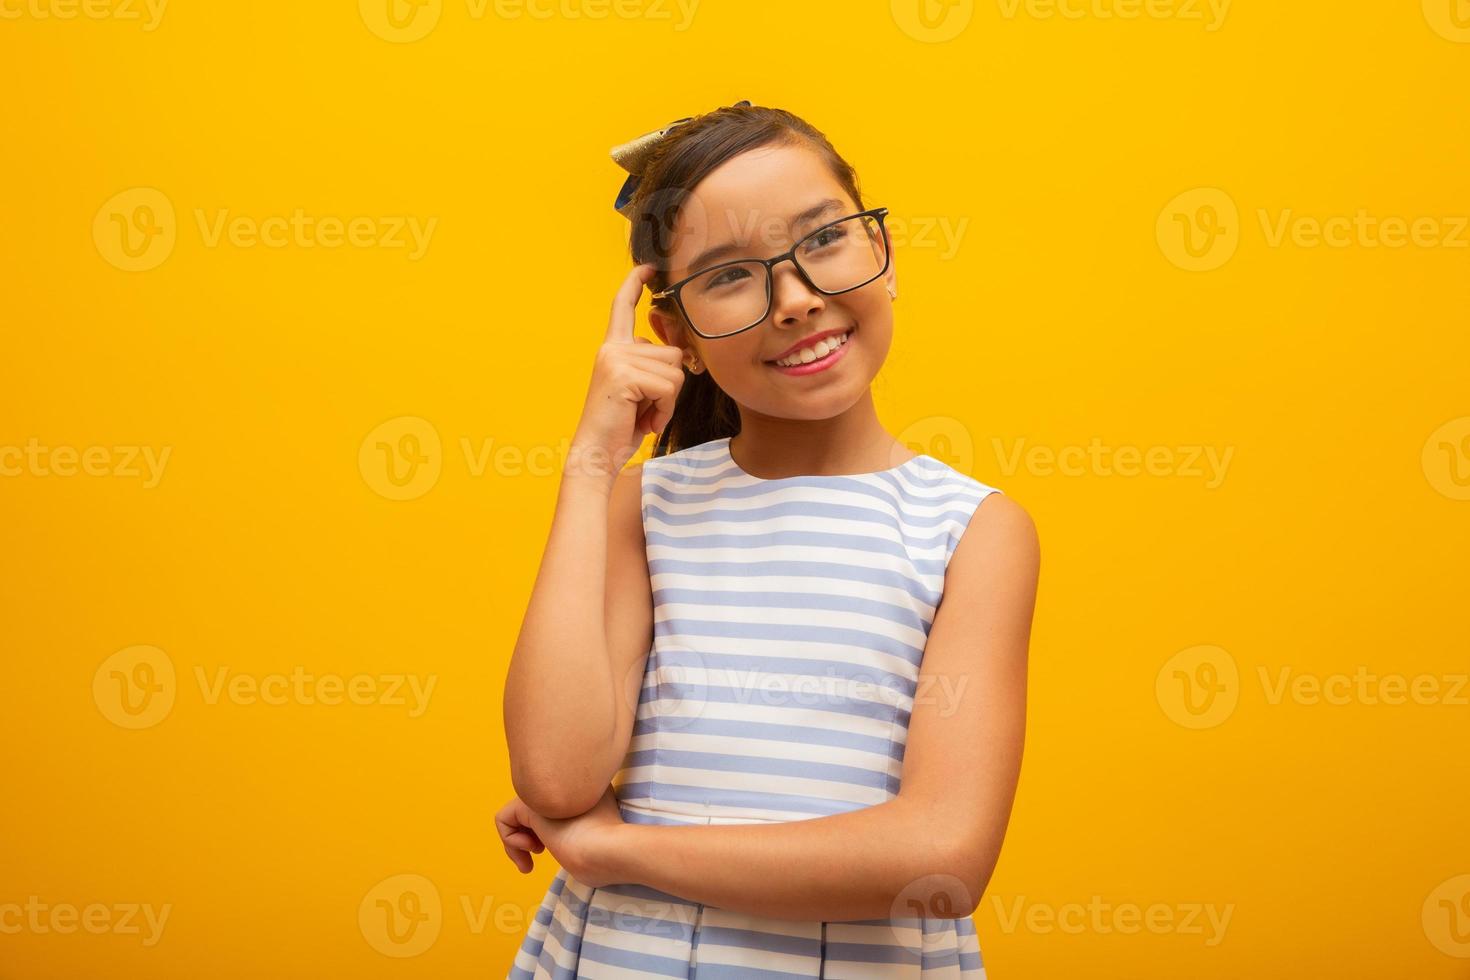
(821, 363)
(809, 341)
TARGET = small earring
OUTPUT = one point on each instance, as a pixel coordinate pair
(892, 291)
(693, 364)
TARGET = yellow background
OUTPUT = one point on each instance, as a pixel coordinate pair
(1052, 148)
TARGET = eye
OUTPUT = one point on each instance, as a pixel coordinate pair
(727, 276)
(826, 237)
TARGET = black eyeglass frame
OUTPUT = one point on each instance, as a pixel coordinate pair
(675, 289)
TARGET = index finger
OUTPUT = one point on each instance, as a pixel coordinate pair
(625, 304)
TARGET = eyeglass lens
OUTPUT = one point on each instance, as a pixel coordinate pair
(730, 298)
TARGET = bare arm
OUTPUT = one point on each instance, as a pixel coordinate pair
(931, 849)
(572, 688)
(571, 691)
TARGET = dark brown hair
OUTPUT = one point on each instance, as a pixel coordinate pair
(680, 161)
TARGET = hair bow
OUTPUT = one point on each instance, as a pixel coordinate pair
(632, 156)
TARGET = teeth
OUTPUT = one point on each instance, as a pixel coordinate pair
(821, 348)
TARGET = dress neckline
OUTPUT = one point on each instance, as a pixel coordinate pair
(730, 458)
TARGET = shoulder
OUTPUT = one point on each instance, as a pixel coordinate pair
(659, 479)
(658, 465)
(934, 478)
(958, 497)
(1000, 516)
(1001, 541)
(991, 534)
(683, 466)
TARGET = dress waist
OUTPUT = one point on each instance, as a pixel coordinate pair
(669, 814)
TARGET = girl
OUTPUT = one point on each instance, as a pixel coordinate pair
(738, 715)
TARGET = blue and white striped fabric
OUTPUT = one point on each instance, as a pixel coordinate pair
(790, 618)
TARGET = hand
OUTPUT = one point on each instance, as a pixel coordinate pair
(578, 843)
(633, 388)
(519, 840)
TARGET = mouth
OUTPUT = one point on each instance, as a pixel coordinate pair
(815, 356)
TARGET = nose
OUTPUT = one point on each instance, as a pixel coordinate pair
(792, 297)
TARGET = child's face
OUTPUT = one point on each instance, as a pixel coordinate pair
(749, 201)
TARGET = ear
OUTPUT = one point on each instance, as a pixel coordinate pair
(668, 327)
(890, 278)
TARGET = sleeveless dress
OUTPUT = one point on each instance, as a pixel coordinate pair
(790, 619)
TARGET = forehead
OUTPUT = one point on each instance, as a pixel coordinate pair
(749, 200)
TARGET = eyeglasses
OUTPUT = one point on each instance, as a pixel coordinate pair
(732, 297)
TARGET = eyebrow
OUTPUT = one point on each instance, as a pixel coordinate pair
(716, 252)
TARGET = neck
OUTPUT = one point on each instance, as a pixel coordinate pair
(851, 442)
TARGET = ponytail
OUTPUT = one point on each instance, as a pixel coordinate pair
(702, 412)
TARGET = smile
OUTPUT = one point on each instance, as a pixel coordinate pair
(816, 357)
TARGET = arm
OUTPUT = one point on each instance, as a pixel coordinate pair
(571, 692)
(935, 844)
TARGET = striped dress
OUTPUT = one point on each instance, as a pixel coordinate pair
(790, 618)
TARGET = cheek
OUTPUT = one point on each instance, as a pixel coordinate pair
(736, 353)
(874, 315)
